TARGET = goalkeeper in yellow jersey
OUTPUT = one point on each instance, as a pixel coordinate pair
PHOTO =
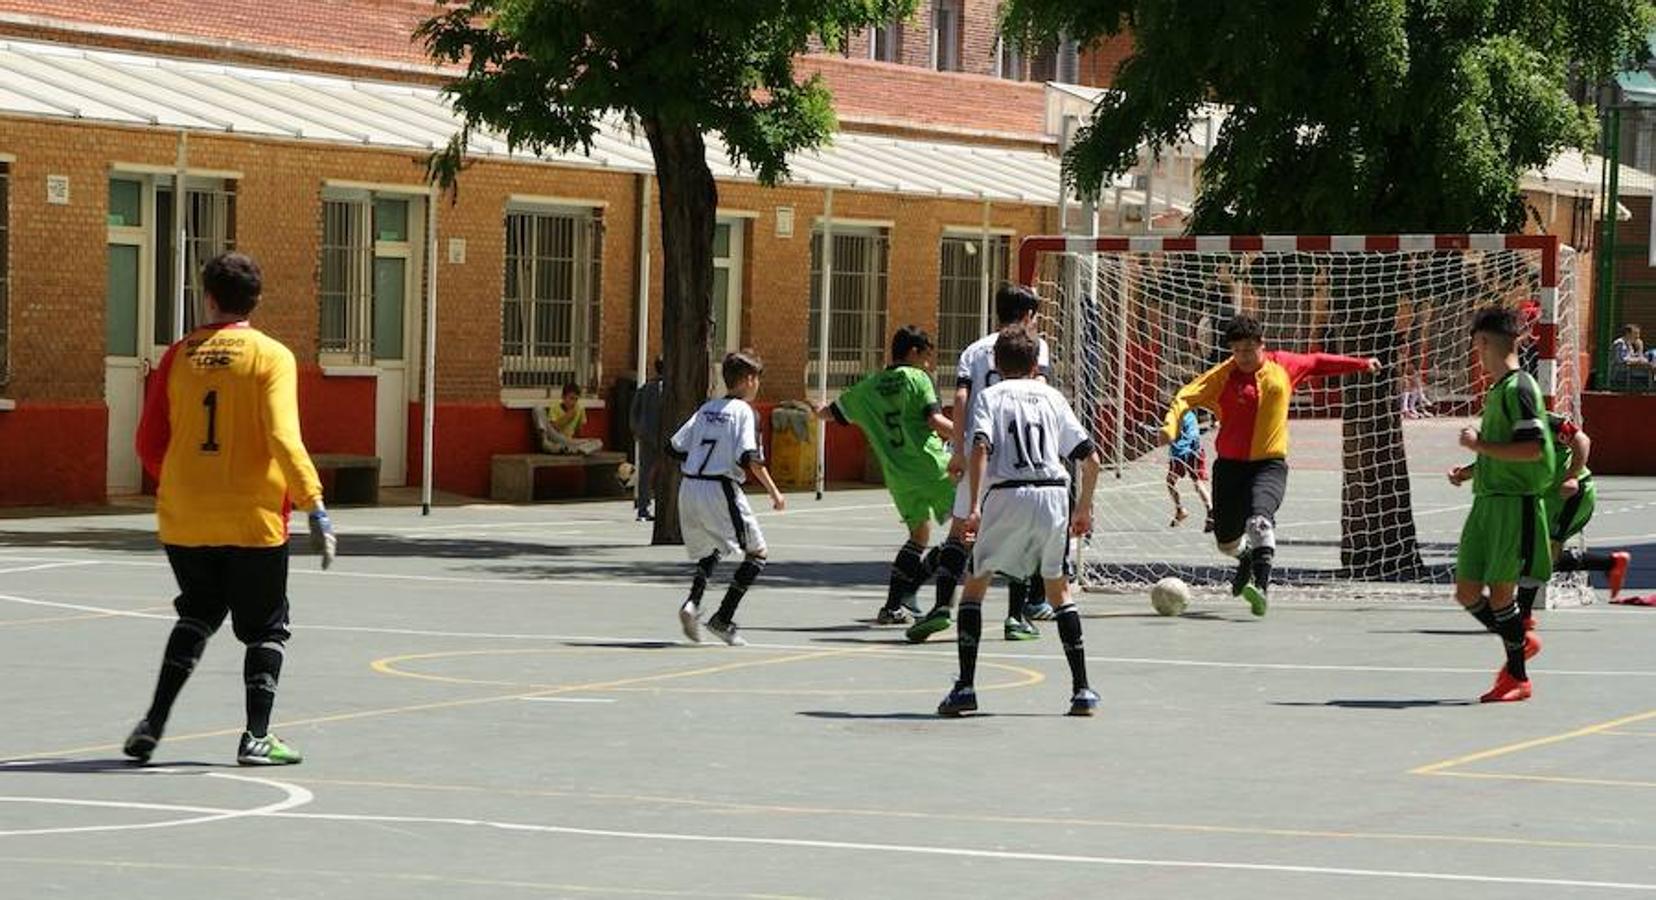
(220, 435)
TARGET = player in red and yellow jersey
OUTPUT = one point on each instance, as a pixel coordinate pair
(220, 435)
(1249, 393)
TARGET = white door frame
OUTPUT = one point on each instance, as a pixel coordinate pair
(124, 375)
(731, 301)
(398, 381)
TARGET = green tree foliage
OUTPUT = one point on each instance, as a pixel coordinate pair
(1350, 116)
(548, 74)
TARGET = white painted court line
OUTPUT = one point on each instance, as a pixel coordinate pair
(969, 853)
(59, 564)
(567, 699)
(294, 796)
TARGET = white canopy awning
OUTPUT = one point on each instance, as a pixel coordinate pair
(56, 81)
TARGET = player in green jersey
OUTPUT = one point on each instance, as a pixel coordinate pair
(1505, 537)
(897, 409)
(1569, 505)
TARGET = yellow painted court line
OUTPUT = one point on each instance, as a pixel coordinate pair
(449, 704)
(1439, 767)
(1549, 779)
(290, 872)
(984, 818)
(1631, 733)
(389, 666)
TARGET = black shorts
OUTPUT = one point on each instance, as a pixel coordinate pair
(249, 584)
(1242, 490)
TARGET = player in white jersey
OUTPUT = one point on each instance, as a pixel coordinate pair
(976, 372)
(716, 449)
(1022, 433)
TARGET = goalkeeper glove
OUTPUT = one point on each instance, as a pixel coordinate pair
(322, 540)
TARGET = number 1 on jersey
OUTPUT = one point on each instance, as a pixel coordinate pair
(211, 402)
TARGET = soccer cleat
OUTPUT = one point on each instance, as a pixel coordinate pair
(928, 625)
(898, 616)
(1619, 561)
(140, 744)
(1179, 516)
(1243, 575)
(726, 631)
(912, 607)
(1020, 630)
(1507, 689)
(962, 699)
(1255, 595)
(1532, 644)
(1039, 612)
(265, 751)
(688, 621)
(1084, 702)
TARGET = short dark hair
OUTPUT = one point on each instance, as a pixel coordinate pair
(234, 282)
(1013, 302)
(1629, 328)
(1017, 352)
(1243, 327)
(1497, 321)
(737, 366)
(571, 387)
(907, 339)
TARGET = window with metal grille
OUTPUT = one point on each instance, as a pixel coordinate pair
(369, 261)
(886, 43)
(550, 308)
(946, 15)
(960, 297)
(209, 229)
(856, 308)
(5, 272)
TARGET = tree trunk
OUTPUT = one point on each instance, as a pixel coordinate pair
(1377, 529)
(689, 200)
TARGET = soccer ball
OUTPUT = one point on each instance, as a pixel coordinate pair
(1170, 596)
(627, 475)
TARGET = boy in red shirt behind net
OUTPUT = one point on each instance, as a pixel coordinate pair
(1249, 393)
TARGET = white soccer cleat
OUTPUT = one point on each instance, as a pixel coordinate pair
(688, 621)
(727, 632)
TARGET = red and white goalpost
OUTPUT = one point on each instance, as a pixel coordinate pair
(1131, 319)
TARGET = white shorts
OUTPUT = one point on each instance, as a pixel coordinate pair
(963, 499)
(715, 518)
(1024, 530)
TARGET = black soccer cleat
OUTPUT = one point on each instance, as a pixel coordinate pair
(962, 699)
(1243, 574)
(141, 743)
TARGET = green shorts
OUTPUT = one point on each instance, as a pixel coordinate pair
(1504, 539)
(1567, 518)
(929, 500)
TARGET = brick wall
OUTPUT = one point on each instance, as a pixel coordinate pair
(866, 91)
(1100, 60)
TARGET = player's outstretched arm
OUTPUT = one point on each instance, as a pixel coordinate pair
(1301, 366)
(1081, 519)
(1203, 392)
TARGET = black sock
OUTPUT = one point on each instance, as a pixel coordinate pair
(746, 574)
(1526, 600)
(907, 572)
(261, 668)
(1037, 590)
(184, 647)
(967, 632)
(951, 566)
(1069, 633)
(704, 571)
(1262, 559)
(1482, 613)
(1017, 593)
(1510, 626)
(1573, 560)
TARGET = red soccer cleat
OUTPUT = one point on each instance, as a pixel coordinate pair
(1507, 689)
(1532, 645)
(1618, 571)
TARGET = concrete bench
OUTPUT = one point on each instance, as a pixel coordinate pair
(348, 478)
(527, 477)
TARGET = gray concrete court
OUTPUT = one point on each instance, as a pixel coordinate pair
(495, 702)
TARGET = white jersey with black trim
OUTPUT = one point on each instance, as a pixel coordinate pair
(1030, 431)
(719, 440)
(976, 371)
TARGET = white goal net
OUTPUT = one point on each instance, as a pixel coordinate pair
(1369, 509)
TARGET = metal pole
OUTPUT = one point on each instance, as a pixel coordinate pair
(428, 415)
(1605, 310)
(985, 290)
(822, 338)
(643, 350)
(181, 236)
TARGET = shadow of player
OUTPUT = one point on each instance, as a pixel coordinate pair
(1382, 704)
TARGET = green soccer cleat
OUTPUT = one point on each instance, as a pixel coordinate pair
(1019, 630)
(265, 751)
(1255, 595)
(929, 624)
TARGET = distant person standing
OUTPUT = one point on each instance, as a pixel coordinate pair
(645, 417)
(220, 435)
